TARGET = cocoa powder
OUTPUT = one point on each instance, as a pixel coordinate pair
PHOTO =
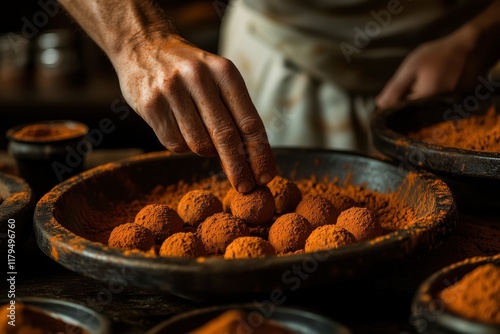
(49, 132)
(32, 320)
(477, 295)
(235, 322)
(477, 132)
(101, 219)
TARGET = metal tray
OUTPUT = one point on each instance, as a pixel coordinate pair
(59, 221)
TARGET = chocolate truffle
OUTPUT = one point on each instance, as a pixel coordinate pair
(197, 205)
(219, 230)
(256, 207)
(131, 236)
(183, 244)
(328, 237)
(361, 222)
(161, 220)
(286, 194)
(248, 247)
(289, 233)
(226, 202)
(317, 210)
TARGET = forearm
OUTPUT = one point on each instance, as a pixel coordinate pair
(118, 24)
(484, 30)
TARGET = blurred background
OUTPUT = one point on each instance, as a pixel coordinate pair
(50, 69)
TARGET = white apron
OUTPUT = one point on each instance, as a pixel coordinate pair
(313, 68)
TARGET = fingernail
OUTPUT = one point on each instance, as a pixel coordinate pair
(244, 186)
(265, 178)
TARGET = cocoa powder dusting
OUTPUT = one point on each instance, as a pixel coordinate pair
(249, 247)
(197, 205)
(477, 133)
(477, 295)
(328, 237)
(289, 233)
(183, 244)
(391, 211)
(161, 220)
(230, 322)
(49, 132)
(361, 222)
(100, 220)
(32, 320)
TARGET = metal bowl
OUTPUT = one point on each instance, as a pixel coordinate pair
(69, 312)
(298, 320)
(473, 176)
(429, 313)
(59, 221)
(16, 210)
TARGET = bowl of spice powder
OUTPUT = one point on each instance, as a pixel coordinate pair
(449, 136)
(37, 315)
(461, 298)
(17, 203)
(48, 152)
(103, 222)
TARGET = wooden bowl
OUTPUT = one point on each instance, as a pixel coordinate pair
(473, 176)
(16, 211)
(60, 222)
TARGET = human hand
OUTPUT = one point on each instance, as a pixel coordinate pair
(449, 64)
(197, 101)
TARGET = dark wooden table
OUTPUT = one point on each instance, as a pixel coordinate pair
(376, 304)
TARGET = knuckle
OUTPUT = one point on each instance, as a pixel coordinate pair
(171, 84)
(226, 69)
(225, 135)
(193, 70)
(251, 126)
(150, 101)
(225, 65)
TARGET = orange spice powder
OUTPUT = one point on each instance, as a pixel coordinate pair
(477, 133)
(477, 295)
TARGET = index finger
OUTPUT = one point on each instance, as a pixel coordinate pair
(255, 143)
